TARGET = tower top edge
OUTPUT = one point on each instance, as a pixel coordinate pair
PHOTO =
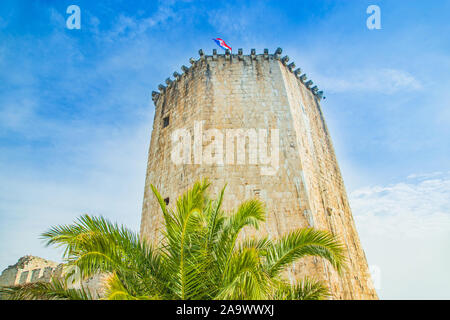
(240, 56)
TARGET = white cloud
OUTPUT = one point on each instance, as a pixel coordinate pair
(15, 115)
(384, 80)
(242, 23)
(56, 18)
(104, 177)
(132, 27)
(405, 230)
(55, 166)
(230, 19)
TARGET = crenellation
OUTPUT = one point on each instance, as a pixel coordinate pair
(278, 53)
(308, 84)
(291, 66)
(265, 56)
(303, 78)
(320, 94)
(184, 69)
(155, 96)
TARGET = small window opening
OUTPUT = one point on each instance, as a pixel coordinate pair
(165, 121)
(166, 201)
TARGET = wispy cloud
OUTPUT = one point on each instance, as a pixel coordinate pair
(133, 26)
(102, 173)
(384, 81)
(74, 132)
(241, 23)
(405, 229)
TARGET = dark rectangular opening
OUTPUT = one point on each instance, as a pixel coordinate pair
(165, 121)
(166, 200)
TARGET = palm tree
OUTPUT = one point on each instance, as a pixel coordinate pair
(201, 256)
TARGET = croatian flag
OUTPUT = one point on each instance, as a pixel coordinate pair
(222, 44)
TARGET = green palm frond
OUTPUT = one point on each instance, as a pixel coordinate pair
(53, 290)
(244, 279)
(200, 257)
(115, 290)
(301, 243)
(95, 245)
(306, 289)
(259, 244)
(215, 217)
(184, 252)
(249, 214)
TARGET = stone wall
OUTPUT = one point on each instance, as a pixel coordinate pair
(30, 269)
(257, 92)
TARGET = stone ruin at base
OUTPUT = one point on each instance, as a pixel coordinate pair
(30, 269)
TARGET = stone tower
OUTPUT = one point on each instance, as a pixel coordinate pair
(254, 122)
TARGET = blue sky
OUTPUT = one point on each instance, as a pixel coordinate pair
(76, 113)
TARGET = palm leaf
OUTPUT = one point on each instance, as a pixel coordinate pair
(95, 245)
(306, 289)
(301, 243)
(199, 258)
(54, 290)
(244, 279)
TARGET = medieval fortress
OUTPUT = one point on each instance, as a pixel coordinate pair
(214, 121)
(254, 123)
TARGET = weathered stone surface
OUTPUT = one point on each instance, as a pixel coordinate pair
(30, 269)
(306, 191)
